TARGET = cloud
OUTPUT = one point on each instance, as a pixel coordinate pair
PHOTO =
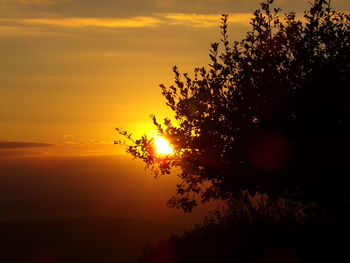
(194, 20)
(228, 1)
(75, 22)
(205, 20)
(20, 145)
(7, 153)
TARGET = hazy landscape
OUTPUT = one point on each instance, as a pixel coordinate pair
(79, 240)
(60, 209)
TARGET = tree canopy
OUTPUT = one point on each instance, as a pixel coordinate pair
(270, 114)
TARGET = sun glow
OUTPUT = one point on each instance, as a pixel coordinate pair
(162, 146)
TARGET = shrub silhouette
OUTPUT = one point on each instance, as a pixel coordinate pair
(270, 115)
(265, 232)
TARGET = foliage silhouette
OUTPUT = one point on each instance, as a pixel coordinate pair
(264, 231)
(270, 115)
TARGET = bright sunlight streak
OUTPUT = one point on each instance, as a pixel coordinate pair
(162, 146)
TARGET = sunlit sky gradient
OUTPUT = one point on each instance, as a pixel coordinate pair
(73, 70)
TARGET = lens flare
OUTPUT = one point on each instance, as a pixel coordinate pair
(162, 146)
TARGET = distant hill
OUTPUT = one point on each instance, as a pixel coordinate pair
(100, 240)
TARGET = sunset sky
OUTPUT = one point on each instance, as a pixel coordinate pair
(73, 70)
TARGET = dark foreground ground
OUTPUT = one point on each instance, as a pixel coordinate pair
(98, 240)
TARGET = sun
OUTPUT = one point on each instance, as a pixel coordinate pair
(162, 146)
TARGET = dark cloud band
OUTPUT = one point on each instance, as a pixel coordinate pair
(19, 145)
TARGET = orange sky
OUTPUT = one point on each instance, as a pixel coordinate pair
(73, 70)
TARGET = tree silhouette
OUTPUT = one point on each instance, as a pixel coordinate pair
(270, 115)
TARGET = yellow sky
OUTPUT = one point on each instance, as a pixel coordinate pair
(73, 70)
